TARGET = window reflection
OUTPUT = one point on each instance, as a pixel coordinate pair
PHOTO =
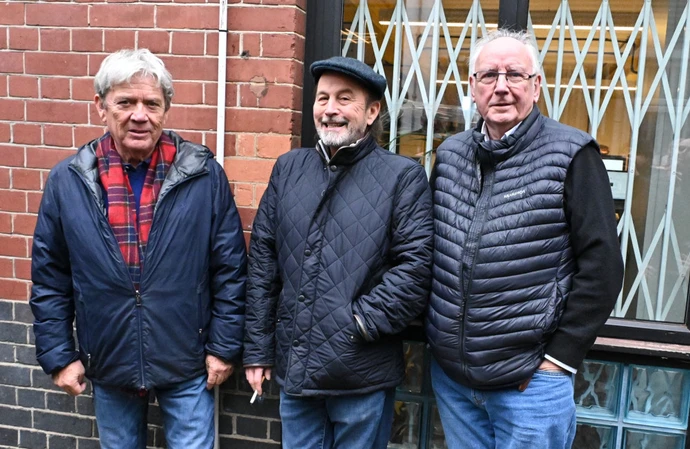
(414, 367)
(436, 437)
(590, 436)
(406, 420)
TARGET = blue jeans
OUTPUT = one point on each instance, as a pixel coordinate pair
(187, 410)
(541, 417)
(337, 422)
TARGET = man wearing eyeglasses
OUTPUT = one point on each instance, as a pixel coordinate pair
(527, 264)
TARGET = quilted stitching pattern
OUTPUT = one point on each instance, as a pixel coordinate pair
(350, 237)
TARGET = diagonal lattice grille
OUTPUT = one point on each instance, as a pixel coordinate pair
(619, 72)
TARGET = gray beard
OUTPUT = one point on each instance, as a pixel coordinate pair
(337, 141)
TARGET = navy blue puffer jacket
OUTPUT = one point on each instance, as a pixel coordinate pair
(191, 299)
(331, 240)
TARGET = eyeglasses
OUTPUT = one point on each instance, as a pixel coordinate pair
(513, 78)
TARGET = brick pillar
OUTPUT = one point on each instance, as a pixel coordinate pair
(49, 53)
(264, 117)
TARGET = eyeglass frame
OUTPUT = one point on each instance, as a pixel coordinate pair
(526, 76)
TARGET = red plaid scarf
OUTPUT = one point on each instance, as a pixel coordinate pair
(132, 236)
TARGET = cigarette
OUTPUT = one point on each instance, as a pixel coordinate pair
(256, 392)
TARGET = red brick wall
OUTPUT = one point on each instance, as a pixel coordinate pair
(49, 52)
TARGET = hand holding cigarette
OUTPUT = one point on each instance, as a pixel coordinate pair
(255, 377)
(256, 392)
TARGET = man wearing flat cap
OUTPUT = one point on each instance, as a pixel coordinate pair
(339, 265)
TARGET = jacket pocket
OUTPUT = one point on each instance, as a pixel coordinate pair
(199, 319)
(202, 291)
(350, 328)
(553, 312)
(83, 333)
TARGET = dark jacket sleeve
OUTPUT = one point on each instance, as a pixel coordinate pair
(403, 291)
(599, 274)
(227, 271)
(52, 298)
(263, 283)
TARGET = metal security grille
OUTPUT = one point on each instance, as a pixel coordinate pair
(617, 69)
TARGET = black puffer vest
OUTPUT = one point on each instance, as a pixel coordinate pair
(503, 263)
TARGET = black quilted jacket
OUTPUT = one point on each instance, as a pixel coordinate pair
(332, 240)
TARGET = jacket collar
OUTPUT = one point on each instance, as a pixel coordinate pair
(190, 160)
(350, 154)
(495, 151)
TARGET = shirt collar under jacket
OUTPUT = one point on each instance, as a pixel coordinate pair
(508, 133)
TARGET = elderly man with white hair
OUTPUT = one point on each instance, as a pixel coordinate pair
(139, 239)
(527, 264)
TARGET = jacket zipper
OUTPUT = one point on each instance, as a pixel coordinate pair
(137, 293)
(486, 181)
(85, 343)
(106, 226)
(137, 297)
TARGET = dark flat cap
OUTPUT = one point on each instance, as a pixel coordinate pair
(372, 81)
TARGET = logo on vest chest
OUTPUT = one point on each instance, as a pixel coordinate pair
(515, 194)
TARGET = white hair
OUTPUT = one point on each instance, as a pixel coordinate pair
(523, 37)
(121, 66)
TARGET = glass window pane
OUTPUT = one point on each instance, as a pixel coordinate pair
(423, 50)
(635, 439)
(590, 436)
(436, 437)
(406, 422)
(630, 89)
(658, 396)
(414, 367)
(602, 73)
(596, 389)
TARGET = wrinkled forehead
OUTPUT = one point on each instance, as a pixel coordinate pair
(331, 82)
(138, 85)
(504, 52)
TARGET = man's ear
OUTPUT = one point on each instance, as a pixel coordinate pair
(100, 107)
(472, 81)
(537, 87)
(373, 111)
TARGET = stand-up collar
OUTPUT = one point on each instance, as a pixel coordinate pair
(348, 154)
(495, 151)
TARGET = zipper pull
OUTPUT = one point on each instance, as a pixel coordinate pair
(137, 295)
(88, 360)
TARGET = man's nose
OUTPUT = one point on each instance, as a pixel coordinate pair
(139, 114)
(501, 82)
(331, 107)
